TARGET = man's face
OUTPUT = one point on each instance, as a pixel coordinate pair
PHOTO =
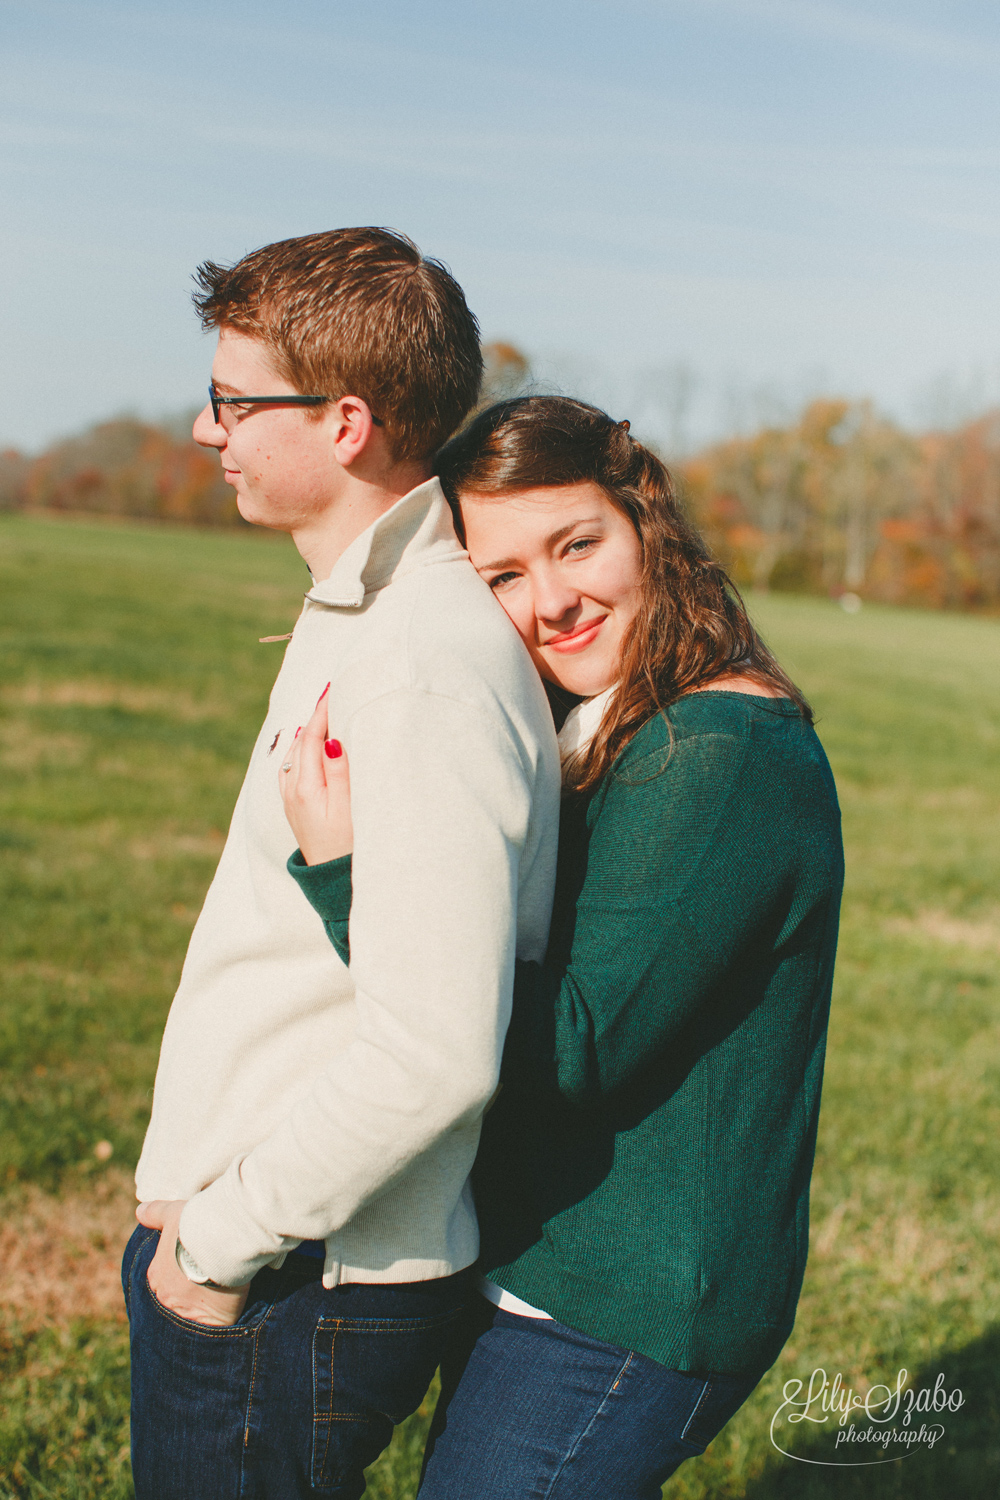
(279, 459)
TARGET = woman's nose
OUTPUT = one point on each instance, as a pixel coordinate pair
(554, 597)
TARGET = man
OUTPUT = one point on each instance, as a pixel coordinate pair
(307, 1221)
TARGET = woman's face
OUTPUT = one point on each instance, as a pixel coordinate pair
(566, 565)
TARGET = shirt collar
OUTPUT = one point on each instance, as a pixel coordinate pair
(581, 725)
(415, 531)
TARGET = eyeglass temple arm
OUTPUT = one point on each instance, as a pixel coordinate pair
(217, 401)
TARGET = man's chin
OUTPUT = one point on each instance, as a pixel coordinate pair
(256, 514)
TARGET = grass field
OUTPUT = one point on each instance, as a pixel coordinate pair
(131, 689)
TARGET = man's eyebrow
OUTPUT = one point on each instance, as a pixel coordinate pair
(223, 388)
(550, 541)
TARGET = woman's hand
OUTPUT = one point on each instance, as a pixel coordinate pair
(316, 791)
(215, 1307)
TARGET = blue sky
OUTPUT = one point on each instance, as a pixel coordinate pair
(750, 199)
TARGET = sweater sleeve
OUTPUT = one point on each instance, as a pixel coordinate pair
(327, 888)
(684, 875)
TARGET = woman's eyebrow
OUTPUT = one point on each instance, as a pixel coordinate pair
(552, 540)
(229, 390)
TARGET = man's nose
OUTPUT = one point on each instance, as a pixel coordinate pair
(206, 429)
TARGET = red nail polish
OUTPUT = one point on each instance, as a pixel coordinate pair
(333, 748)
(322, 695)
(298, 732)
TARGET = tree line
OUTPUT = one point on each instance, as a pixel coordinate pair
(840, 501)
(845, 501)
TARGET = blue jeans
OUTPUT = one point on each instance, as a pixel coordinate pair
(532, 1410)
(296, 1399)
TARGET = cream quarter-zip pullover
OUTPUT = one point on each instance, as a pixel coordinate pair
(296, 1099)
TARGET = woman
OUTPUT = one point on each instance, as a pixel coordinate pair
(642, 1182)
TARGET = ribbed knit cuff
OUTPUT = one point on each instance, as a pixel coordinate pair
(223, 1238)
(328, 890)
(190, 1266)
(326, 887)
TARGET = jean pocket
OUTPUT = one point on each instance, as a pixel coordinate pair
(721, 1398)
(368, 1375)
(248, 1323)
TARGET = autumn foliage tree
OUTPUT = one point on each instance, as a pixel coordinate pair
(845, 501)
(944, 550)
(125, 468)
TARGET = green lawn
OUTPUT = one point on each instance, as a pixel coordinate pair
(131, 689)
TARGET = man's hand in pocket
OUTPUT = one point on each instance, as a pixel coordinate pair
(215, 1307)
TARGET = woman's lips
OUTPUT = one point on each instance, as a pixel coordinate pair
(575, 640)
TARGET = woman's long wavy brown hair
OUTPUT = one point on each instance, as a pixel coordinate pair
(691, 626)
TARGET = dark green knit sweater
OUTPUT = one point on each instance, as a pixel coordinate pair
(644, 1174)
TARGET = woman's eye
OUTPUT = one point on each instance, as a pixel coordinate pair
(501, 580)
(582, 544)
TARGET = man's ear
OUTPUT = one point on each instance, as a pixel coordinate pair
(351, 428)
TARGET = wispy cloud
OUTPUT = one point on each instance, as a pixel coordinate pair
(859, 27)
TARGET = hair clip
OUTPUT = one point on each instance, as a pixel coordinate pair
(625, 426)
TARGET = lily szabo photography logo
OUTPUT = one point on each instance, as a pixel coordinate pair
(852, 1431)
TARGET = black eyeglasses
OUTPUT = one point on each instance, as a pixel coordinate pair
(218, 402)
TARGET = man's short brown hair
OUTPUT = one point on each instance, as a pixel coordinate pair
(357, 312)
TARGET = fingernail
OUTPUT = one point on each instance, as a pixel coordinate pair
(322, 695)
(297, 733)
(333, 748)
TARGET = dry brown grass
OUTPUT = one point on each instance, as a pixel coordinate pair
(93, 693)
(940, 927)
(60, 1256)
(166, 845)
(26, 751)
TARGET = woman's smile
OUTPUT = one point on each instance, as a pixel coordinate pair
(577, 638)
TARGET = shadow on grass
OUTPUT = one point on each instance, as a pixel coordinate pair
(964, 1464)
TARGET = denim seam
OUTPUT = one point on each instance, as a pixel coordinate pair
(127, 1283)
(318, 1470)
(597, 1412)
(384, 1325)
(706, 1391)
(253, 1374)
(203, 1329)
(334, 1327)
(132, 1265)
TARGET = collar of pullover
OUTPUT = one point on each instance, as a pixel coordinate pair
(417, 530)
